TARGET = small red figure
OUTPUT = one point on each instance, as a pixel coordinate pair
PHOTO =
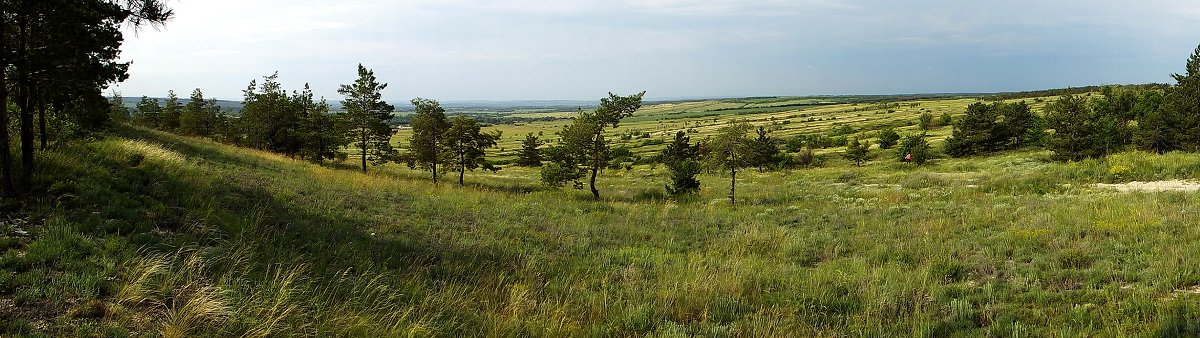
(907, 157)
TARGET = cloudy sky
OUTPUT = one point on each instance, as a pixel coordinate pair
(573, 49)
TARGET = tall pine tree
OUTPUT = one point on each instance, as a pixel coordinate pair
(367, 115)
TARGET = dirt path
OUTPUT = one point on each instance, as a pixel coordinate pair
(1170, 185)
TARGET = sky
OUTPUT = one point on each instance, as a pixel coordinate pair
(581, 50)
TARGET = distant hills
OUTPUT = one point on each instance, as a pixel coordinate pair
(467, 106)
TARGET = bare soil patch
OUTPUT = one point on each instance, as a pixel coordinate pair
(1169, 185)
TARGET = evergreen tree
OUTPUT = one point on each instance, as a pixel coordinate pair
(367, 116)
(764, 150)
(321, 134)
(1183, 106)
(915, 150)
(857, 151)
(926, 121)
(466, 146)
(171, 112)
(729, 151)
(429, 125)
(117, 109)
(148, 112)
(888, 138)
(583, 148)
(1080, 132)
(530, 155)
(269, 118)
(682, 159)
(1157, 128)
(195, 120)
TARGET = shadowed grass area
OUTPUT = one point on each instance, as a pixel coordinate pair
(148, 234)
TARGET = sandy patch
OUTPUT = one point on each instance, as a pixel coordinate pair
(1171, 185)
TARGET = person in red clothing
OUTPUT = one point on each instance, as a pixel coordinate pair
(907, 157)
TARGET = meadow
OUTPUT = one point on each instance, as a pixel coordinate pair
(652, 127)
(144, 233)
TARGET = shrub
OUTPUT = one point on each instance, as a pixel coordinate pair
(857, 151)
(915, 150)
(888, 138)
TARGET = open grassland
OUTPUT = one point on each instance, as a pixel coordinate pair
(648, 130)
(149, 234)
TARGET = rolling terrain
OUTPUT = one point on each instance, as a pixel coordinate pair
(144, 233)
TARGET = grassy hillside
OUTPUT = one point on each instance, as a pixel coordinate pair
(656, 123)
(148, 234)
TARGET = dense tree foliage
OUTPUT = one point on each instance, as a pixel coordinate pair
(915, 149)
(582, 148)
(60, 54)
(426, 148)
(857, 151)
(1081, 132)
(729, 151)
(993, 127)
(530, 155)
(764, 150)
(466, 146)
(366, 116)
(682, 159)
(888, 138)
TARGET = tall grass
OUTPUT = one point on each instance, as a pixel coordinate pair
(169, 236)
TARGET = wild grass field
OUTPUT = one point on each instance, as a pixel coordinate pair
(653, 126)
(143, 233)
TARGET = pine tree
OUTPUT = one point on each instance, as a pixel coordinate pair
(682, 159)
(467, 146)
(194, 120)
(148, 112)
(321, 133)
(857, 151)
(729, 151)
(764, 150)
(530, 155)
(367, 116)
(888, 138)
(915, 150)
(171, 111)
(426, 148)
(583, 149)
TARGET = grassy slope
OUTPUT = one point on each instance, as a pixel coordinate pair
(703, 118)
(150, 234)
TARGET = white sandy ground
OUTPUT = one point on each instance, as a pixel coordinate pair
(1170, 185)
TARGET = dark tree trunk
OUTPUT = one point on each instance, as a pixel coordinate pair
(6, 187)
(592, 183)
(462, 172)
(25, 101)
(435, 182)
(733, 187)
(363, 147)
(42, 121)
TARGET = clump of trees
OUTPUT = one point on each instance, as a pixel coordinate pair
(296, 124)
(993, 127)
(57, 57)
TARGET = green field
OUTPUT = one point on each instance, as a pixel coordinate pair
(702, 118)
(143, 233)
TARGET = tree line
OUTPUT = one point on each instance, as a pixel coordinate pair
(1155, 118)
(57, 56)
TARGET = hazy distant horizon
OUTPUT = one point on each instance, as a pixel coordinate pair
(580, 50)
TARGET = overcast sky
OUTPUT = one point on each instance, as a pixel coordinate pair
(571, 49)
